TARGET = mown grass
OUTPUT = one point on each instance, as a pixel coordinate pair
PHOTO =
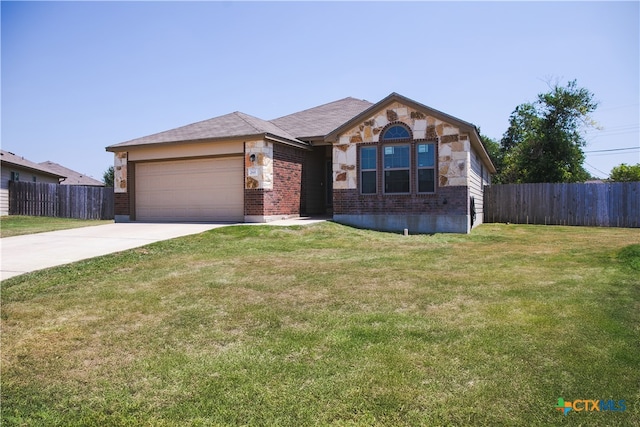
(328, 325)
(16, 225)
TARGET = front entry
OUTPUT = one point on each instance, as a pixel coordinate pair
(317, 181)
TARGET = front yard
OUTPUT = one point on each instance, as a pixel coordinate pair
(325, 324)
(17, 225)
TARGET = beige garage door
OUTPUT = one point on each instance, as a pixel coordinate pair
(190, 190)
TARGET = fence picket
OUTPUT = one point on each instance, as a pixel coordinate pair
(615, 204)
(62, 201)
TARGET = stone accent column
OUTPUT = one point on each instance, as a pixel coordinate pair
(120, 172)
(345, 173)
(258, 161)
(122, 211)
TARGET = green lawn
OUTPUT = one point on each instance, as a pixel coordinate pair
(16, 225)
(329, 325)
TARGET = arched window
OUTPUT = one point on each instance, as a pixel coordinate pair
(398, 165)
(395, 132)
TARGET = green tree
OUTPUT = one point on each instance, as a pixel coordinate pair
(107, 177)
(544, 140)
(625, 173)
(495, 154)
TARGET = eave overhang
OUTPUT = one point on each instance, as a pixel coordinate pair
(267, 136)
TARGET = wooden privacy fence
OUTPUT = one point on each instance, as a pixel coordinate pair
(615, 204)
(62, 201)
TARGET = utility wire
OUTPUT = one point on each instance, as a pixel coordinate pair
(613, 149)
(596, 169)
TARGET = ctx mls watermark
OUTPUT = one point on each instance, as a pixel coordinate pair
(590, 405)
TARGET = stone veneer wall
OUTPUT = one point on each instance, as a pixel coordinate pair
(453, 147)
(259, 173)
(282, 198)
(120, 186)
(445, 210)
(120, 172)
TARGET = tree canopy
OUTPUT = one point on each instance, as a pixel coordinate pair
(107, 177)
(544, 140)
(625, 173)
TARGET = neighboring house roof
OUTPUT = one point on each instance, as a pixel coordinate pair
(395, 97)
(231, 125)
(18, 161)
(72, 177)
(319, 121)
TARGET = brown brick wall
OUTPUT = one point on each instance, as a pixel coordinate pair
(285, 198)
(446, 201)
(121, 203)
(254, 201)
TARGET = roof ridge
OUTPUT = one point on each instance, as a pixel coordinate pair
(241, 115)
(322, 105)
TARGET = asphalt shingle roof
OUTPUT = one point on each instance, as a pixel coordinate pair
(230, 125)
(11, 158)
(72, 177)
(321, 120)
(313, 122)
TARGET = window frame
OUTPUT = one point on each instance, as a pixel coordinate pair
(391, 127)
(413, 169)
(392, 169)
(419, 168)
(362, 169)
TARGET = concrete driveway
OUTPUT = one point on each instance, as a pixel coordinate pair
(24, 254)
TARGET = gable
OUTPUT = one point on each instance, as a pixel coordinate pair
(457, 141)
(425, 123)
(421, 124)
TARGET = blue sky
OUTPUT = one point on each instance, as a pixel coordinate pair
(78, 76)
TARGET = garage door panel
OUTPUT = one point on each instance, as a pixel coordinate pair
(190, 190)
